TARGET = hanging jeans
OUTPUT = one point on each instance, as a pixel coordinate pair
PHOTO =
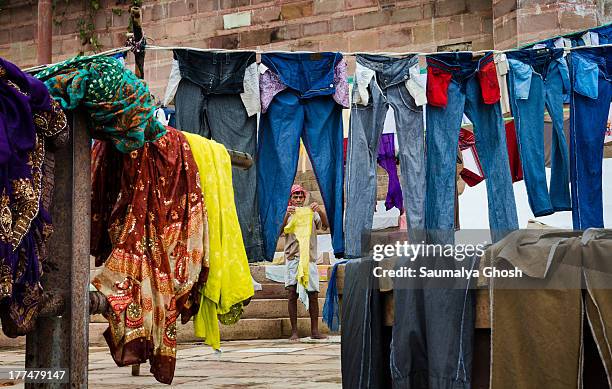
(457, 84)
(433, 330)
(306, 109)
(383, 82)
(538, 78)
(590, 104)
(362, 328)
(208, 103)
(386, 160)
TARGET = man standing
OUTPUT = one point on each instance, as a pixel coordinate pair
(292, 252)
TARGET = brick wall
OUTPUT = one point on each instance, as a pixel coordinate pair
(346, 25)
(517, 22)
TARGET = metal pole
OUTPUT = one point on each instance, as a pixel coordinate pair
(45, 32)
(62, 341)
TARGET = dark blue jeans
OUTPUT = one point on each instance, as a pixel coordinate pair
(538, 79)
(362, 348)
(433, 328)
(591, 70)
(208, 103)
(465, 94)
(306, 110)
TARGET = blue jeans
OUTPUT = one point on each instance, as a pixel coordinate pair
(207, 96)
(443, 124)
(590, 103)
(387, 88)
(538, 79)
(306, 110)
(433, 330)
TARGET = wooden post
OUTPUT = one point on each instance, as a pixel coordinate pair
(45, 32)
(62, 341)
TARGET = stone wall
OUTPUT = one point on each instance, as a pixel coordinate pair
(345, 25)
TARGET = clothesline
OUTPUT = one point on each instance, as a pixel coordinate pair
(354, 53)
(161, 48)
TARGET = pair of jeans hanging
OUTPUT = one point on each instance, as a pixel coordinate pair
(590, 104)
(209, 102)
(538, 78)
(301, 107)
(456, 84)
(384, 83)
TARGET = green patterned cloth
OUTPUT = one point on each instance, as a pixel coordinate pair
(119, 104)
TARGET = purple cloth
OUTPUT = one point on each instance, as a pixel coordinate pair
(270, 85)
(26, 115)
(386, 159)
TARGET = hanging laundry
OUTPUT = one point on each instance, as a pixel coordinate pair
(538, 78)
(331, 308)
(591, 97)
(218, 98)
(557, 266)
(516, 168)
(471, 172)
(501, 67)
(474, 91)
(387, 160)
(302, 96)
(381, 84)
(229, 284)
(364, 342)
(31, 126)
(119, 105)
(156, 230)
(300, 225)
(173, 82)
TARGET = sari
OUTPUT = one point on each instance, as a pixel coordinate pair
(153, 224)
(31, 124)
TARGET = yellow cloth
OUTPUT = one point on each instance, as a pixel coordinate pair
(229, 279)
(300, 225)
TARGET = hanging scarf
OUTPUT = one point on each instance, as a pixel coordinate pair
(119, 105)
(28, 117)
(229, 281)
(155, 227)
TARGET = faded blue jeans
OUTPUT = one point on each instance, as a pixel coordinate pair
(465, 94)
(537, 79)
(590, 103)
(381, 83)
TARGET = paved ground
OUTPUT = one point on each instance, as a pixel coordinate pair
(241, 364)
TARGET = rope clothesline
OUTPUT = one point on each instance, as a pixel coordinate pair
(347, 54)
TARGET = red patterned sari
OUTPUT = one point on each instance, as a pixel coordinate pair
(148, 225)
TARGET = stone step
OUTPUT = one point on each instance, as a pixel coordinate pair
(251, 329)
(258, 272)
(275, 308)
(96, 331)
(277, 291)
(303, 327)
